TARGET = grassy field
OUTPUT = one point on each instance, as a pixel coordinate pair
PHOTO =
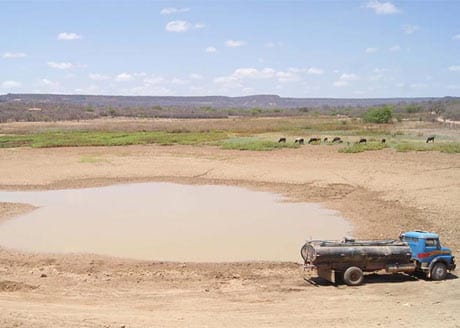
(257, 134)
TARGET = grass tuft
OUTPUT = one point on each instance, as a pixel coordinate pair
(451, 147)
(248, 143)
(107, 138)
(359, 148)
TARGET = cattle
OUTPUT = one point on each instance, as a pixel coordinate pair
(362, 141)
(282, 140)
(300, 141)
(314, 140)
(430, 139)
(336, 139)
(325, 139)
(383, 141)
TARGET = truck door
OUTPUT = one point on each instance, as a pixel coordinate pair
(431, 249)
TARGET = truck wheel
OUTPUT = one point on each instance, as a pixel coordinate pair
(439, 271)
(353, 276)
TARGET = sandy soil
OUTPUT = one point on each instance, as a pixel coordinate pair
(382, 193)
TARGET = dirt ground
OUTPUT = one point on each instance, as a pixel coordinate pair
(382, 193)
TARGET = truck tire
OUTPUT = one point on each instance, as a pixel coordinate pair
(439, 271)
(353, 276)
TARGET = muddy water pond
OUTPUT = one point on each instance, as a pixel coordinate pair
(168, 222)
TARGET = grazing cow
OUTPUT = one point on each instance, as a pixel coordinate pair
(336, 139)
(300, 141)
(314, 140)
(430, 139)
(383, 141)
(325, 139)
(282, 140)
(362, 141)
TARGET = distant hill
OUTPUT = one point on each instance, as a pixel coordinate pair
(217, 102)
(51, 107)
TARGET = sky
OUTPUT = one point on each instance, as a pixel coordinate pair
(311, 49)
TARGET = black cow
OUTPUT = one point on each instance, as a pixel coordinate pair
(430, 139)
(362, 141)
(314, 140)
(383, 141)
(325, 139)
(300, 141)
(282, 140)
(336, 139)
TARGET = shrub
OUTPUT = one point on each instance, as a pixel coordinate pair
(379, 115)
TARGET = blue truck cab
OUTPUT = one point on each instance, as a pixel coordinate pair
(428, 254)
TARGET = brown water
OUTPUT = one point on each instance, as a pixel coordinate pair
(166, 221)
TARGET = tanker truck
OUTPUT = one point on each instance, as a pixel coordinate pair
(416, 252)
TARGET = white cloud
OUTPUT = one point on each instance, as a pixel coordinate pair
(456, 37)
(235, 43)
(68, 36)
(10, 84)
(195, 76)
(345, 79)
(169, 11)
(410, 29)
(272, 44)
(400, 85)
(454, 68)
(48, 83)
(349, 77)
(60, 65)
(178, 26)
(340, 84)
(315, 71)
(395, 48)
(199, 25)
(383, 8)
(210, 49)
(124, 77)
(153, 80)
(370, 50)
(287, 77)
(98, 77)
(178, 81)
(254, 73)
(12, 55)
(237, 78)
(418, 85)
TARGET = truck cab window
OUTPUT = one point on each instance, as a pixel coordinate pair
(431, 242)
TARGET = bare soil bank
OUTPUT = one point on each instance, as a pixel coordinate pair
(382, 193)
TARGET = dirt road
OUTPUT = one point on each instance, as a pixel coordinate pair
(382, 193)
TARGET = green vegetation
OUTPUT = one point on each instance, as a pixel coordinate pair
(359, 148)
(451, 147)
(250, 143)
(379, 115)
(100, 138)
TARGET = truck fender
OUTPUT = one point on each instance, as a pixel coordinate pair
(436, 260)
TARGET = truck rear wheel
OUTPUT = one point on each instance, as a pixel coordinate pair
(353, 276)
(439, 271)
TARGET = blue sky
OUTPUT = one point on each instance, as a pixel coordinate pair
(353, 49)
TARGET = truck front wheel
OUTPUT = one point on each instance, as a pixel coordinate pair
(439, 271)
(353, 276)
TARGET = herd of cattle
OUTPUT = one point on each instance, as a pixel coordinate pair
(315, 140)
